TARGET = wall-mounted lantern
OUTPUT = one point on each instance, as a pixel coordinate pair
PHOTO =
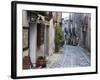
(71, 21)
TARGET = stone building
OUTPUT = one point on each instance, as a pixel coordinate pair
(79, 25)
(85, 34)
(38, 35)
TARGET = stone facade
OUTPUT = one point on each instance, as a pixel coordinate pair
(85, 40)
(79, 25)
(39, 34)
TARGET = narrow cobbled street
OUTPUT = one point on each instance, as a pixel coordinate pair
(69, 56)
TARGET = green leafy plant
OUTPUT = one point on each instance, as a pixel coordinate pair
(59, 37)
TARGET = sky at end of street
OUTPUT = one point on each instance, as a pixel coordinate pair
(65, 15)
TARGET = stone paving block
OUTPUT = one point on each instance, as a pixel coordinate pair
(70, 56)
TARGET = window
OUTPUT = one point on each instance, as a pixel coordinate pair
(25, 38)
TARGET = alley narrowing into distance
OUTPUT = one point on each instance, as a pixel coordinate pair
(70, 56)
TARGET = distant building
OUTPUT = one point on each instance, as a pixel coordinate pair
(79, 25)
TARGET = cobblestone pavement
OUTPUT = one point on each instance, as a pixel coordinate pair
(69, 56)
